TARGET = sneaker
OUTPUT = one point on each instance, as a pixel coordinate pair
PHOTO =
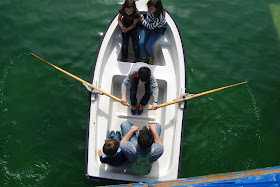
(143, 60)
(133, 110)
(118, 134)
(149, 60)
(140, 109)
(112, 134)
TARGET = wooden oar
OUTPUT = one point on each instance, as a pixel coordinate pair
(77, 78)
(196, 95)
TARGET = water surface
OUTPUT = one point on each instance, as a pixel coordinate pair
(43, 113)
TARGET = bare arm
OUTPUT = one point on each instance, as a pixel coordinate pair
(123, 100)
(153, 128)
(129, 134)
(133, 25)
(120, 20)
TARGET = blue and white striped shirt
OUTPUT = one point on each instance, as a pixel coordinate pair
(151, 22)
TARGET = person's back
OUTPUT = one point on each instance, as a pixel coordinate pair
(142, 153)
(131, 151)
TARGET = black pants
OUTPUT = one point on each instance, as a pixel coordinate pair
(133, 92)
(134, 36)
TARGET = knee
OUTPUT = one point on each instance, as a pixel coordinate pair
(125, 125)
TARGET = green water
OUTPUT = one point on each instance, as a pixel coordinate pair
(43, 113)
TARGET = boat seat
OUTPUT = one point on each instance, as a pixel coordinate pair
(163, 41)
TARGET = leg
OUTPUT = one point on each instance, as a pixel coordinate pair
(148, 92)
(135, 42)
(154, 36)
(144, 35)
(133, 91)
(125, 37)
(125, 127)
(118, 136)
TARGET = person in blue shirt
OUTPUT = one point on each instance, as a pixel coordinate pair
(147, 142)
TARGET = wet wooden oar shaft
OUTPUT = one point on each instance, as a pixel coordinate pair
(197, 95)
(77, 78)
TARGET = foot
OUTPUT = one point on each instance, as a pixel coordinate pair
(112, 134)
(149, 60)
(133, 110)
(143, 59)
(140, 109)
(118, 134)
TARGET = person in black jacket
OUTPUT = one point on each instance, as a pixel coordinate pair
(112, 153)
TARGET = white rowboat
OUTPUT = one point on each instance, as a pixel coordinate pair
(106, 114)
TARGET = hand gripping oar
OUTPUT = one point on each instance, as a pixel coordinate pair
(78, 79)
(196, 95)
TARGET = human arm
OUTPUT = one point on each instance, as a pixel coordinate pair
(124, 29)
(100, 152)
(153, 128)
(155, 104)
(129, 134)
(155, 91)
(142, 17)
(120, 20)
(101, 156)
(151, 22)
(125, 82)
(133, 25)
(123, 100)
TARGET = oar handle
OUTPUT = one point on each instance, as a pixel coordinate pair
(77, 78)
(196, 95)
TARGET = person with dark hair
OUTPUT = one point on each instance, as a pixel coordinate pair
(128, 20)
(143, 150)
(143, 74)
(112, 153)
(154, 26)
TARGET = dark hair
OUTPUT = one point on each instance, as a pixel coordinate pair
(158, 5)
(144, 74)
(145, 138)
(129, 4)
(111, 146)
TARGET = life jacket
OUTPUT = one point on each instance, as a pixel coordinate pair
(142, 166)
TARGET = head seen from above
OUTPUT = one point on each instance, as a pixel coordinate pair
(145, 138)
(144, 74)
(129, 7)
(155, 7)
(110, 147)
